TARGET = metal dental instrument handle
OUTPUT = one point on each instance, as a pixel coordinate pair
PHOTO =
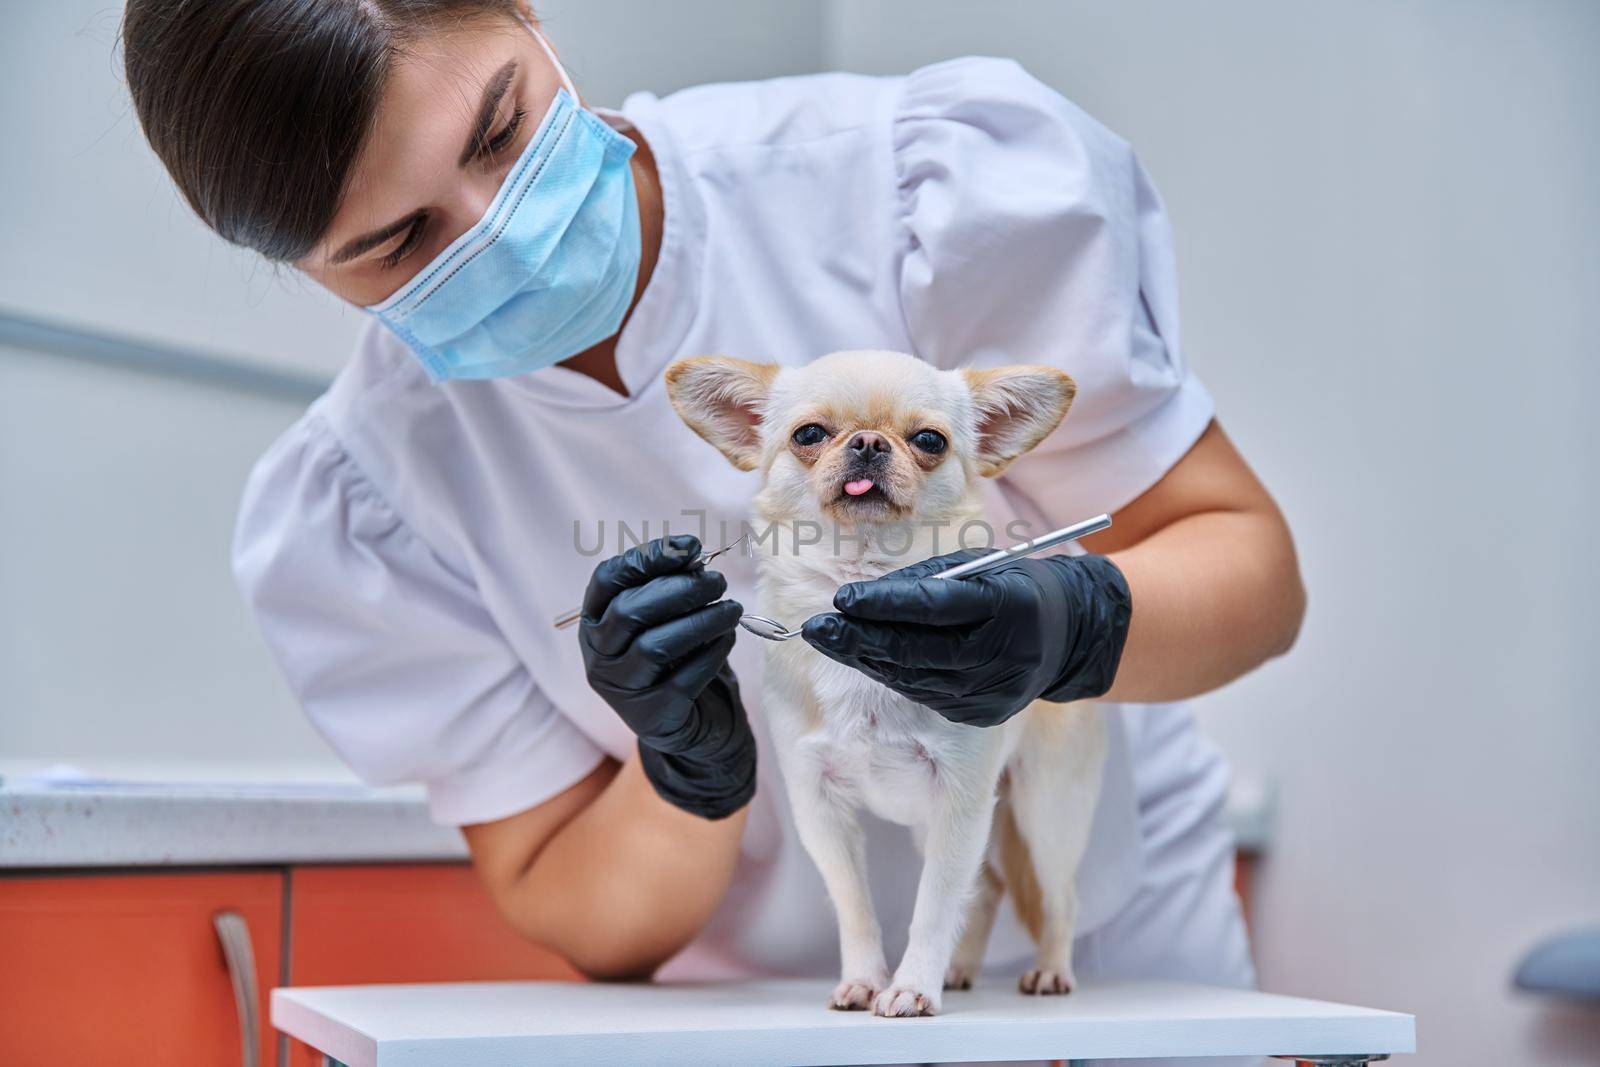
(1027, 548)
(773, 630)
(567, 618)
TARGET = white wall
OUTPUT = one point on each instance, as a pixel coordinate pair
(125, 643)
(1389, 237)
(616, 47)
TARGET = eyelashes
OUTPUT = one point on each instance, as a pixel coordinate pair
(490, 148)
(498, 143)
(406, 247)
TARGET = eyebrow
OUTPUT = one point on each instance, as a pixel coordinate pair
(494, 90)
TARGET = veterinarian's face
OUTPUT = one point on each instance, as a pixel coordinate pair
(458, 108)
(867, 439)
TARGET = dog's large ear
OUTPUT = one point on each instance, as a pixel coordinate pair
(721, 398)
(1015, 409)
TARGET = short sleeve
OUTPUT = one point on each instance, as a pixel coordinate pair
(1032, 234)
(390, 652)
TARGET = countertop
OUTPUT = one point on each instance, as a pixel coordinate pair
(85, 822)
(136, 824)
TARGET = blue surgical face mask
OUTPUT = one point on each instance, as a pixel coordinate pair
(547, 272)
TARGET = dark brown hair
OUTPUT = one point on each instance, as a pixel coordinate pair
(258, 108)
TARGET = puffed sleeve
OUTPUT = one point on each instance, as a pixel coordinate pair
(1033, 235)
(390, 652)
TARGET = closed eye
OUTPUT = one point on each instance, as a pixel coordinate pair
(499, 142)
(413, 238)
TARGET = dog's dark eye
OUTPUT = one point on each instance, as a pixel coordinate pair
(930, 441)
(809, 434)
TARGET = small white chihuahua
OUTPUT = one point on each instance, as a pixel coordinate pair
(872, 450)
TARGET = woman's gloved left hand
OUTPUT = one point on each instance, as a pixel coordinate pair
(978, 650)
(655, 638)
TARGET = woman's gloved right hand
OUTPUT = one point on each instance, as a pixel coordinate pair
(655, 640)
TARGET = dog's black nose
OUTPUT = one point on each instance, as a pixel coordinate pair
(866, 444)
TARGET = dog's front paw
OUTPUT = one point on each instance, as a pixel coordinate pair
(853, 994)
(1044, 983)
(898, 1002)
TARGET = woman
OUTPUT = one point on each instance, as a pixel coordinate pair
(532, 267)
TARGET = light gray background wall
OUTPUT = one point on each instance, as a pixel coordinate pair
(126, 648)
(1387, 231)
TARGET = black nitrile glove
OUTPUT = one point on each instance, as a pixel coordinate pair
(978, 650)
(655, 642)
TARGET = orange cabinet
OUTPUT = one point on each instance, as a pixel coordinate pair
(128, 968)
(415, 923)
(419, 923)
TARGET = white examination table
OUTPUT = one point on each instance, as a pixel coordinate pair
(500, 1024)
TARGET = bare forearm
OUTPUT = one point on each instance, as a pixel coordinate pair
(1212, 569)
(622, 885)
(1214, 596)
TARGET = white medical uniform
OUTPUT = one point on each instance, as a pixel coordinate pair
(405, 545)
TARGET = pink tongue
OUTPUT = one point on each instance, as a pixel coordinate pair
(857, 488)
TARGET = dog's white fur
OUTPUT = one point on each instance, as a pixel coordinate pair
(845, 742)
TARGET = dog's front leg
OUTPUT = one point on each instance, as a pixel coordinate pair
(956, 841)
(830, 829)
(826, 816)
